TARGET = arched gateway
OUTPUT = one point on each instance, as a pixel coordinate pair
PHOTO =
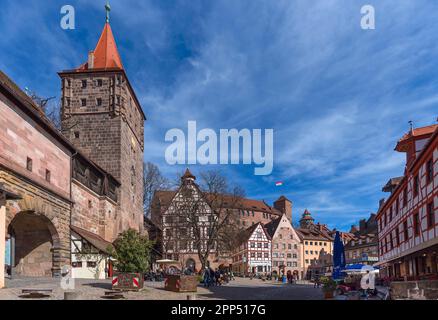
(34, 242)
(39, 234)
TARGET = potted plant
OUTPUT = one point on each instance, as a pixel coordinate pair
(130, 256)
(328, 287)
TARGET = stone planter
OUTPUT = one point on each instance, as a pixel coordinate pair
(127, 281)
(181, 283)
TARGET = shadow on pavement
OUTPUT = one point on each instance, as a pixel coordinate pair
(105, 286)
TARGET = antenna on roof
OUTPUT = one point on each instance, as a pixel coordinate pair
(411, 125)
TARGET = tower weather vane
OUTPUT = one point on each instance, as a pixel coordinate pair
(107, 9)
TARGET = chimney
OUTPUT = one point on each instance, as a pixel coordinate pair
(91, 60)
(285, 206)
(362, 226)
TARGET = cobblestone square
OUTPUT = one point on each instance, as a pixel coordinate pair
(239, 289)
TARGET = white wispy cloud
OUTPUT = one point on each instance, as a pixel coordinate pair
(337, 97)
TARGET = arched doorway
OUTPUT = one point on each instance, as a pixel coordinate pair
(34, 243)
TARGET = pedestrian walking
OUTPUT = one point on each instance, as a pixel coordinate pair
(206, 278)
(212, 277)
(217, 276)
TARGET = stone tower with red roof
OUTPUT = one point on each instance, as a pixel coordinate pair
(102, 117)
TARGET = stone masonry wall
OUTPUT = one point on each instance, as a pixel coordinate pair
(110, 134)
(92, 212)
(22, 138)
(46, 212)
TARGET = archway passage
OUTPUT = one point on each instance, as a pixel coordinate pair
(33, 251)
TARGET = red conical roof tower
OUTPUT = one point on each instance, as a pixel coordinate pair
(105, 55)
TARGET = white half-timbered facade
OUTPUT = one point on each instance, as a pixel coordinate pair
(188, 212)
(253, 255)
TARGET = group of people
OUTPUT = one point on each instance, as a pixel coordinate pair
(216, 277)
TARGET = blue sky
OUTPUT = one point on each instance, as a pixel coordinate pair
(338, 97)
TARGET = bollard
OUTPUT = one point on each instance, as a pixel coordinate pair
(71, 296)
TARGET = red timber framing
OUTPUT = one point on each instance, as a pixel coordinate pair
(407, 221)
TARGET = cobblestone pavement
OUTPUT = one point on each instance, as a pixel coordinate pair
(239, 289)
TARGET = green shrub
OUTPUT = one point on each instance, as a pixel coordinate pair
(131, 252)
(328, 284)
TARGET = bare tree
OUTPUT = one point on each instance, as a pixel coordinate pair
(204, 217)
(50, 108)
(153, 181)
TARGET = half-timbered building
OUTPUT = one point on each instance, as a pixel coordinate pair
(185, 221)
(253, 254)
(407, 220)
